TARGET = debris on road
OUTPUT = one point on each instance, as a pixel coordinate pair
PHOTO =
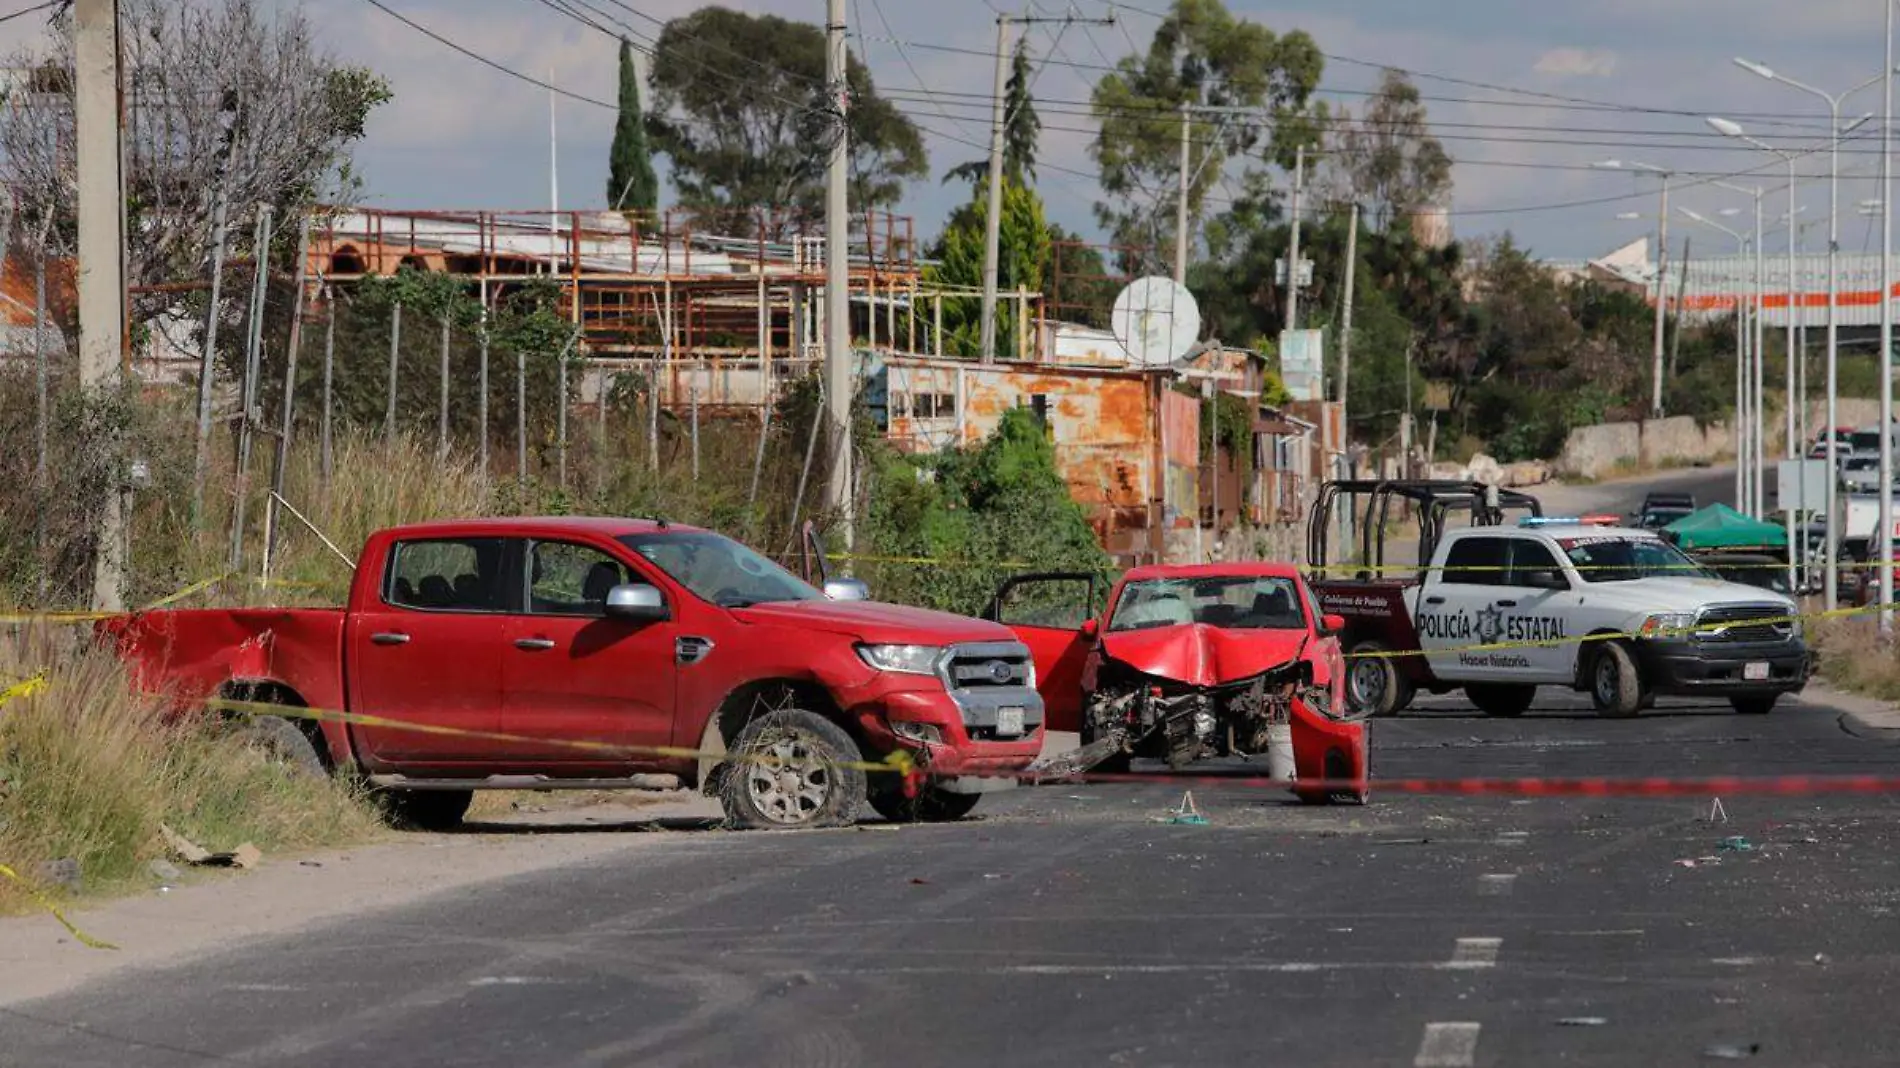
(1187, 813)
(1582, 1021)
(244, 856)
(1732, 1053)
(1718, 814)
(1737, 844)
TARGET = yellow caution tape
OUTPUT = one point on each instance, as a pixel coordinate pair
(47, 903)
(1610, 636)
(899, 761)
(23, 688)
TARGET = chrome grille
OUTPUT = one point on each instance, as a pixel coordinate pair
(1748, 631)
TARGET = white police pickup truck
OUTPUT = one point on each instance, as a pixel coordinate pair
(1560, 580)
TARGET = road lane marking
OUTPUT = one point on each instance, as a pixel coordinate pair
(1447, 1045)
(1475, 953)
(1495, 885)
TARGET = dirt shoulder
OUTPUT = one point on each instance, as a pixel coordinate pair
(216, 911)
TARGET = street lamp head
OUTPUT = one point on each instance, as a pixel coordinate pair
(1609, 164)
(1725, 127)
(1753, 67)
(1629, 215)
(1729, 212)
(1857, 124)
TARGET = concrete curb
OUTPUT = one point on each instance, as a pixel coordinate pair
(1863, 717)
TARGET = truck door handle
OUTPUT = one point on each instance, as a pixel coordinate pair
(389, 638)
(1507, 604)
(534, 645)
(1434, 600)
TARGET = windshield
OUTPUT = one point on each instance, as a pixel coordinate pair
(720, 570)
(1865, 441)
(1617, 559)
(1764, 574)
(1234, 602)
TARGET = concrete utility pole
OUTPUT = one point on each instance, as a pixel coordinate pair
(1345, 332)
(840, 388)
(1293, 245)
(999, 123)
(1884, 540)
(101, 261)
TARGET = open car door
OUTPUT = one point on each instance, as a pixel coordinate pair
(1054, 613)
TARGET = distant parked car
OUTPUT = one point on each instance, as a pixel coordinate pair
(1861, 474)
(1759, 570)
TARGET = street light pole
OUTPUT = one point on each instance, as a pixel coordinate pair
(1743, 482)
(1758, 399)
(1831, 578)
(1885, 537)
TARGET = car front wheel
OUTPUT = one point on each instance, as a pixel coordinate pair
(1616, 688)
(792, 770)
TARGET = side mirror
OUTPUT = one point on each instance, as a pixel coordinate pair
(1546, 579)
(847, 589)
(1090, 628)
(636, 602)
(1330, 624)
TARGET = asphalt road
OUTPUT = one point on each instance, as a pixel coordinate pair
(1073, 925)
(1078, 925)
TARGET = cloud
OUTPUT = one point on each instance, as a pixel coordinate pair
(1576, 63)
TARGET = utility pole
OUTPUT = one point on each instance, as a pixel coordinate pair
(999, 122)
(280, 460)
(1181, 205)
(1345, 330)
(1662, 301)
(101, 262)
(1293, 246)
(207, 371)
(840, 388)
(1884, 540)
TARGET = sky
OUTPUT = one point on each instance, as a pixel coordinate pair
(1526, 96)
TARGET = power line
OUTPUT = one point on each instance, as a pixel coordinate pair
(484, 60)
(23, 12)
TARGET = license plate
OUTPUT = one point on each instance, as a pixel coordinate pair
(1755, 672)
(1009, 722)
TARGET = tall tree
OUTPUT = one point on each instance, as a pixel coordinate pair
(1022, 127)
(1387, 159)
(228, 98)
(1200, 55)
(1023, 260)
(631, 183)
(740, 109)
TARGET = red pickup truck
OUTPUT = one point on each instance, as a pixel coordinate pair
(571, 652)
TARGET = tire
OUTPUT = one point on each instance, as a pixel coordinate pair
(1616, 688)
(1374, 684)
(1754, 704)
(931, 805)
(425, 810)
(810, 787)
(1501, 699)
(284, 744)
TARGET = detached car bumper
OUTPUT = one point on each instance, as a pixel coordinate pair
(1693, 667)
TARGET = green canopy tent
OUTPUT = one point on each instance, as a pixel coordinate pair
(1717, 527)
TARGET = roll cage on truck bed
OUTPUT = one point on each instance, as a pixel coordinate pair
(1369, 591)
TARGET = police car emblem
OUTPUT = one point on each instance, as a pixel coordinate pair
(1490, 624)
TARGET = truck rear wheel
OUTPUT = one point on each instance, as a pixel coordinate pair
(1374, 684)
(791, 771)
(1616, 688)
(425, 810)
(281, 741)
(1504, 699)
(931, 805)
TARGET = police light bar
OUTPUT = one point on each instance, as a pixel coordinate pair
(1569, 521)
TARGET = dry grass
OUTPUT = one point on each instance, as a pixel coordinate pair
(89, 772)
(1853, 657)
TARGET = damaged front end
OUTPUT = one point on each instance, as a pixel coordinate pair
(1180, 723)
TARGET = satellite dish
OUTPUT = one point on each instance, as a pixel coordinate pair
(1156, 321)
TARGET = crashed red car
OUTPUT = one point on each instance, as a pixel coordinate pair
(1192, 662)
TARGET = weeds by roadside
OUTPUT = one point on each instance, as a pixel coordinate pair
(88, 772)
(1853, 657)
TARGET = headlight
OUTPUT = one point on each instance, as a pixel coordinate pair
(1667, 625)
(903, 659)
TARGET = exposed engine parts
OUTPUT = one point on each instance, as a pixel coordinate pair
(1165, 720)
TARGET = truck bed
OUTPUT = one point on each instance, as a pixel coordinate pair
(187, 654)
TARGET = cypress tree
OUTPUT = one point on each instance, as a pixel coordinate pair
(631, 183)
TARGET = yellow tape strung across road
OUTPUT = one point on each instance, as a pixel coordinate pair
(1660, 632)
(899, 761)
(47, 903)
